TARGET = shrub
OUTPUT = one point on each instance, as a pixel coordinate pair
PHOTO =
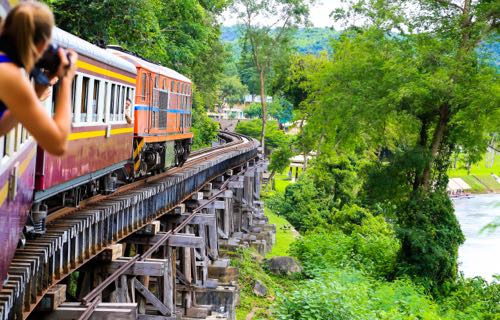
(354, 239)
(430, 236)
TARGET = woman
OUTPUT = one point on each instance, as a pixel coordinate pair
(25, 35)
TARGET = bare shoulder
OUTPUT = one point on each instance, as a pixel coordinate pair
(12, 80)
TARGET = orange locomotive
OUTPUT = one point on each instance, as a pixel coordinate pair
(162, 113)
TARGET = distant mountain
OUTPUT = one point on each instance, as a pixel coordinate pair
(306, 40)
(316, 40)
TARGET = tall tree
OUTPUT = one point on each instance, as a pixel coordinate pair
(266, 29)
(406, 86)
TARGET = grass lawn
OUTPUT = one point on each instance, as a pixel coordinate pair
(285, 235)
(480, 171)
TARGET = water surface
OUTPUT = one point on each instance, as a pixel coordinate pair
(480, 254)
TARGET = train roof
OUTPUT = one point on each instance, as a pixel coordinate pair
(67, 40)
(141, 63)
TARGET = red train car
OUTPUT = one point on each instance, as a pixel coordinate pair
(162, 112)
(100, 144)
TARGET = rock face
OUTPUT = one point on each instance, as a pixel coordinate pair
(283, 265)
(259, 289)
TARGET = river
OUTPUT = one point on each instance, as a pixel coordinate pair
(480, 254)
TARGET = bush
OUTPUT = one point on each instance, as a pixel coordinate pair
(430, 236)
(355, 239)
(350, 294)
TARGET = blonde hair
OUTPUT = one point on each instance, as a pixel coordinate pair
(26, 25)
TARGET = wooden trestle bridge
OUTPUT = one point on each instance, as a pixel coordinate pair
(151, 250)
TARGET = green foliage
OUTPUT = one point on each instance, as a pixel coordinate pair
(280, 159)
(275, 137)
(349, 294)
(430, 236)
(356, 239)
(232, 91)
(180, 34)
(310, 202)
(204, 129)
(473, 299)
(254, 110)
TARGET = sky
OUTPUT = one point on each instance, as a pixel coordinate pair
(319, 14)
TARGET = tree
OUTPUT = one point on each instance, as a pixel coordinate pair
(232, 91)
(267, 24)
(405, 88)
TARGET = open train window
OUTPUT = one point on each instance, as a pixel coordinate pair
(85, 93)
(157, 81)
(95, 100)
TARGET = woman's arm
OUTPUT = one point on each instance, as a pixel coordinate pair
(22, 101)
(7, 122)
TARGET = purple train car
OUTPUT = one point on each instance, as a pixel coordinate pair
(17, 180)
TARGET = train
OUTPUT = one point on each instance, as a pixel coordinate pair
(108, 145)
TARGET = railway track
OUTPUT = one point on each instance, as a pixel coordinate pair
(76, 235)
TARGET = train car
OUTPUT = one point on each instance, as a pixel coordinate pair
(101, 141)
(162, 112)
(17, 178)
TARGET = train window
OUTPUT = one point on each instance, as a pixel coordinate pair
(164, 84)
(172, 86)
(85, 93)
(122, 111)
(95, 100)
(157, 81)
(106, 92)
(118, 103)
(143, 86)
(73, 94)
(178, 87)
(112, 102)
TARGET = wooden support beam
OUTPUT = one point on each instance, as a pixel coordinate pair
(150, 297)
(104, 311)
(149, 267)
(176, 240)
(217, 204)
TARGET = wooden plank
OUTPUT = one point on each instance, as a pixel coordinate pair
(53, 298)
(217, 204)
(104, 311)
(186, 241)
(150, 297)
(140, 268)
(113, 252)
(177, 240)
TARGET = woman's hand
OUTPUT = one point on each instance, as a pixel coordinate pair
(67, 68)
(44, 92)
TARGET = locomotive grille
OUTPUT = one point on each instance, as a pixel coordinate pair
(160, 101)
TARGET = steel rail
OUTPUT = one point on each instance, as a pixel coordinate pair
(51, 218)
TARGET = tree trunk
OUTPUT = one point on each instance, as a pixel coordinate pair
(436, 142)
(264, 109)
(422, 143)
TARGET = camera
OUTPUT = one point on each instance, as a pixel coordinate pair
(47, 65)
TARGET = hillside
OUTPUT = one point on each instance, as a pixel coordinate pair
(306, 40)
